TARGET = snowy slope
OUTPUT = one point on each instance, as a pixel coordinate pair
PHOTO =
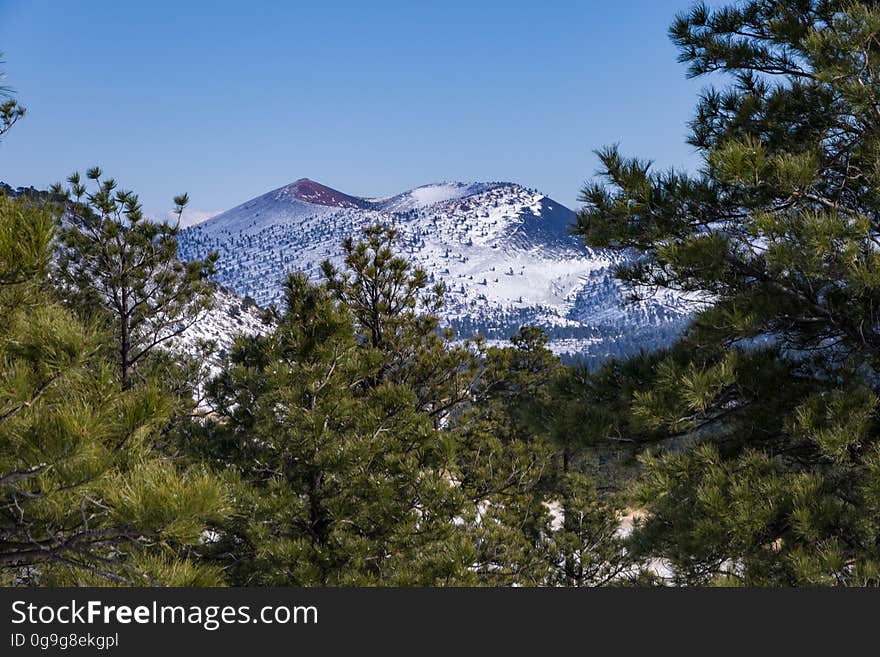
(230, 317)
(504, 252)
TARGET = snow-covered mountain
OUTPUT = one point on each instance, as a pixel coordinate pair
(504, 252)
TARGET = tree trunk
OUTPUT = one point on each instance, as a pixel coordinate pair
(125, 343)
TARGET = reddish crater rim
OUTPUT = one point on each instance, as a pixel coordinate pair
(309, 191)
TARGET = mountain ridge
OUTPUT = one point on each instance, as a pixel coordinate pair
(505, 253)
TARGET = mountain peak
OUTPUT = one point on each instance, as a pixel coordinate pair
(309, 191)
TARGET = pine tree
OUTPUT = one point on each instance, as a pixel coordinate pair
(10, 114)
(84, 496)
(539, 520)
(396, 313)
(10, 111)
(117, 262)
(767, 462)
(341, 474)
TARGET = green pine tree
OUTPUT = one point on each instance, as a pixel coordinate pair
(539, 520)
(366, 447)
(766, 467)
(84, 496)
(328, 428)
(120, 264)
(10, 110)
(397, 314)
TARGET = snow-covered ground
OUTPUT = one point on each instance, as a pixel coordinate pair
(230, 317)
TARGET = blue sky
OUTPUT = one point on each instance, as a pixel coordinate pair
(227, 100)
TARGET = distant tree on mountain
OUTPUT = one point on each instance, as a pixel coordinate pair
(116, 262)
(763, 420)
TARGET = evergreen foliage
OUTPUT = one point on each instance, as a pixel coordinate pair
(84, 496)
(117, 262)
(359, 443)
(765, 415)
(328, 425)
(368, 448)
(396, 314)
(539, 520)
(10, 110)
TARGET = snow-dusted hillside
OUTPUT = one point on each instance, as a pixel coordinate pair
(230, 317)
(504, 252)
